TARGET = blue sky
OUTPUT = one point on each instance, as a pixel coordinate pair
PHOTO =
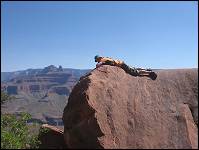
(143, 34)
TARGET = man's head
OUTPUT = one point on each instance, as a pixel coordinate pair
(97, 58)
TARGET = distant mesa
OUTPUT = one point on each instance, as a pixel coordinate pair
(7, 76)
(53, 79)
(52, 68)
(40, 91)
(60, 68)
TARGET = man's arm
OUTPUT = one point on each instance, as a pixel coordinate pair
(98, 64)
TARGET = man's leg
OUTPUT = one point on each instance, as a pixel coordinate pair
(147, 69)
(129, 70)
(149, 74)
(144, 72)
(136, 72)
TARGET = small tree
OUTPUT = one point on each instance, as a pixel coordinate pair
(4, 97)
(15, 133)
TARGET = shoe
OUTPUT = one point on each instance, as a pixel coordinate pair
(153, 75)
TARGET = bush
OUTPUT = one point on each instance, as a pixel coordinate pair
(43, 131)
(15, 133)
(4, 97)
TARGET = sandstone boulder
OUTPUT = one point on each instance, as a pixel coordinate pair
(108, 108)
(52, 138)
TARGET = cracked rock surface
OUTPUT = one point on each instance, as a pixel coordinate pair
(109, 108)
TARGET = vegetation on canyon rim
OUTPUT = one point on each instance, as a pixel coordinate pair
(15, 133)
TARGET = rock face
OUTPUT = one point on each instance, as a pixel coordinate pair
(54, 82)
(51, 139)
(111, 109)
(12, 89)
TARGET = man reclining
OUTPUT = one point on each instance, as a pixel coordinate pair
(132, 71)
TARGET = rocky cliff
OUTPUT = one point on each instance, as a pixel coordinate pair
(43, 93)
(50, 79)
(48, 82)
(111, 109)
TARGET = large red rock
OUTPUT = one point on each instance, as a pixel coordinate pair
(111, 109)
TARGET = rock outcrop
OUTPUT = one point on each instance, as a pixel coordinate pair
(52, 138)
(108, 108)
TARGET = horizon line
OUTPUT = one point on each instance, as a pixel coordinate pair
(93, 68)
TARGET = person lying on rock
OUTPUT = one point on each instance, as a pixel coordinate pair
(130, 70)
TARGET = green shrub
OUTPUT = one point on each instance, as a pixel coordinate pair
(43, 130)
(4, 97)
(15, 132)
